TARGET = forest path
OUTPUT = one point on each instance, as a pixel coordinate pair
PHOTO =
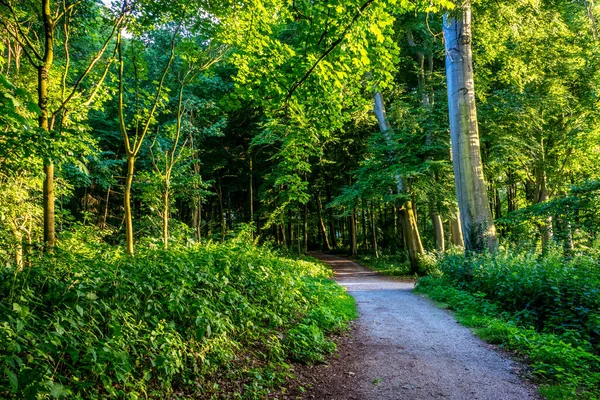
(404, 347)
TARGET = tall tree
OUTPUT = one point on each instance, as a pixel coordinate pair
(39, 49)
(478, 227)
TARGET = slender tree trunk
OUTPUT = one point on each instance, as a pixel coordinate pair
(283, 236)
(511, 196)
(322, 228)
(43, 72)
(438, 228)
(374, 232)
(127, 205)
(456, 231)
(197, 219)
(352, 233)
(413, 243)
(364, 211)
(105, 217)
(411, 230)
(165, 224)
(478, 227)
(498, 204)
(332, 233)
(305, 228)
(541, 197)
(251, 189)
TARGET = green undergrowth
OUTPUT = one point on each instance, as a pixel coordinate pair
(399, 266)
(209, 321)
(544, 308)
(390, 265)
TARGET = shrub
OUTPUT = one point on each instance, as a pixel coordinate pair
(94, 323)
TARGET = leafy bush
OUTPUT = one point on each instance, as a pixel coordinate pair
(93, 323)
(546, 308)
(549, 293)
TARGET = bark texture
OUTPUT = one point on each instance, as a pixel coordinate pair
(478, 227)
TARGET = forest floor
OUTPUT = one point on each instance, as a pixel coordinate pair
(404, 347)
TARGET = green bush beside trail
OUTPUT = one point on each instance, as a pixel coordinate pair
(545, 307)
(214, 320)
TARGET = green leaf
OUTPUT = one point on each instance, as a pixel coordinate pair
(58, 390)
(12, 378)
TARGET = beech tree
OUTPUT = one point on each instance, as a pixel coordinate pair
(477, 224)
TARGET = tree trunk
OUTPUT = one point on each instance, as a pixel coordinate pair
(352, 233)
(364, 211)
(478, 227)
(105, 217)
(498, 204)
(165, 221)
(305, 228)
(456, 231)
(413, 242)
(541, 197)
(43, 72)
(374, 232)
(438, 229)
(332, 233)
(127, 204)
(197, 219)
(251, 189)
(411, 230)
(322, 228)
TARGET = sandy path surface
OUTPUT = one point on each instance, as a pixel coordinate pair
(403, 347)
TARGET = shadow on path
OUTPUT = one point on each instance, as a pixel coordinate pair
(403, 347)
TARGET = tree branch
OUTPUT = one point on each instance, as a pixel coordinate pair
(297, 84)
(90, 66)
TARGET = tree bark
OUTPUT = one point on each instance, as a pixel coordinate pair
(478, 227)
(456, 230)
(413, 242)
(127, 204)
(411, 230)
(43, 71)
(165, 216)
(438, 229)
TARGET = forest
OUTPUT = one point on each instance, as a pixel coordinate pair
(168, 167)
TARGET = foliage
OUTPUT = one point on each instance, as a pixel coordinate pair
(546, 308)
(91, 322)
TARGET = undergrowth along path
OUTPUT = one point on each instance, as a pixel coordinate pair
(404, 347)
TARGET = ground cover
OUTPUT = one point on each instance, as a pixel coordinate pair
(211, 320)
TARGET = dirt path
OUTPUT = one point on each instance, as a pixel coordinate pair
(403, 347)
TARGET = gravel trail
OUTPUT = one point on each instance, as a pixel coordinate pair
(403, 347)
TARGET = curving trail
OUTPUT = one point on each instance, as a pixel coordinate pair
(403, 347)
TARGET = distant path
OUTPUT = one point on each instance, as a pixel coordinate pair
(404, 347)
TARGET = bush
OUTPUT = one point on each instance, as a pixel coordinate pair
(549, 294)
(93, 323)
(546, 308)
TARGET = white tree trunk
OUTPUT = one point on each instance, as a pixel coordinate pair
(478, 227)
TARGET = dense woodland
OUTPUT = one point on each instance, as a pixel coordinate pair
(420, 131)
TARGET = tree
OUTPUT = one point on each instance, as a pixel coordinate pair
(39, 49)
(478, 227)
